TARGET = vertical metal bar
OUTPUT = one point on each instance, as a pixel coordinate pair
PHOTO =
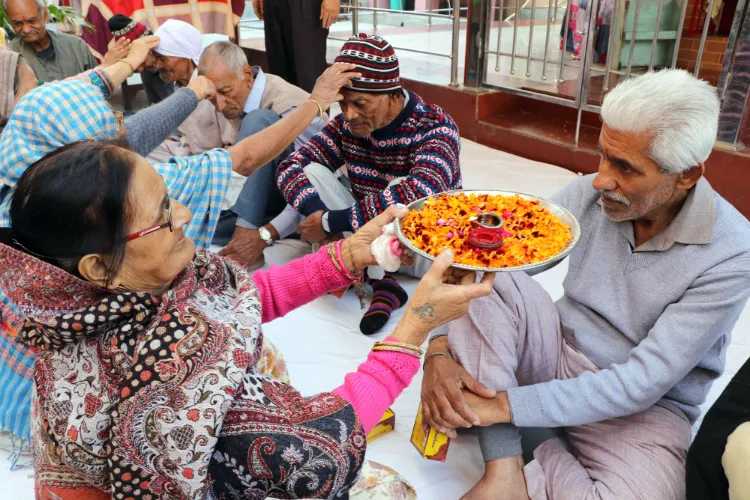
(588, 57)
(655, 41)
(355, 16)
(515, 36)
(375, 16)
(566, 20)
(531, 38)
(632, 36)
(429, 19)
(546, 41)
(499, 36)
(610, 44)
(454, 50)
(679, 34)
(703, 38)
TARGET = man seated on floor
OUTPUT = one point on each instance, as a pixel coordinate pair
(52, 55)
(255, 214)
(395, 147)
(621, 362)
(156, 89)
(177, 55)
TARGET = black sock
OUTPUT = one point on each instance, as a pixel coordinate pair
(387, 297)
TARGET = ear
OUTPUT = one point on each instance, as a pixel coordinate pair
(93, 268)
(689, 178)
(247, 74)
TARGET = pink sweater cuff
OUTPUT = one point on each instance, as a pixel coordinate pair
(285, 288)
(377, 383)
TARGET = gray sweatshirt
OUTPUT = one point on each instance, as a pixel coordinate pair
(656, 319)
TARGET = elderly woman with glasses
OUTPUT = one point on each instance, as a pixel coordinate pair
(146, 385)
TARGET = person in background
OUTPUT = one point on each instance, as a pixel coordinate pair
(621, 363)
(177, 55)
(52, 55)
(122, 27)
(719, 458)
(256, 214)
(395, 147)
(296, 37)
(16, 79)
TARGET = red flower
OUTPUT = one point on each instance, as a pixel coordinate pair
(188, 473)
(193, 415)
(73, 433)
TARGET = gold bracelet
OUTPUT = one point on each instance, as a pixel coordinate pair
(356, 270)
(320, 108)
(399, 350)
(398, 347)
(132, 68)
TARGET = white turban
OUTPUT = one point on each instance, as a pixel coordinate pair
(179, 39)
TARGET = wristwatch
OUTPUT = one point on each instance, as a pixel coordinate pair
(265, 235)
(326, 226)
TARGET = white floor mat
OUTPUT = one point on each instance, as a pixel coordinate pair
(321, 343)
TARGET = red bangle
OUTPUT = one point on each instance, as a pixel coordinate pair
(340, 260)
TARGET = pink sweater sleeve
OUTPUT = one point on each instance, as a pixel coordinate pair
(377, 383)
(285, 288)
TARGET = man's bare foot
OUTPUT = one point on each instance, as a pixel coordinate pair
(503, 480)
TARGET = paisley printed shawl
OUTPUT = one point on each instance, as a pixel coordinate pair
(162, 397)
(131, 384)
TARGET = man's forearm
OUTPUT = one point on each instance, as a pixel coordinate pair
(257, 150)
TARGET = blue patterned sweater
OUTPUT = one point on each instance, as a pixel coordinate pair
(421, 144)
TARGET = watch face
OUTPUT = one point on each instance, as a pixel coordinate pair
(265, 235)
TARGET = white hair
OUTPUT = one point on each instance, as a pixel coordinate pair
(230, 54)
(41, 5)
(679, 112)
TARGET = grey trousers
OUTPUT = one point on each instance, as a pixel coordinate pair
(513, 337)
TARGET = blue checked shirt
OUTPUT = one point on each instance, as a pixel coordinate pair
(47, 118)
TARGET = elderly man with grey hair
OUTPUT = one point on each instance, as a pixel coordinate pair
(620, 364)
(255, 213)
(52, 55)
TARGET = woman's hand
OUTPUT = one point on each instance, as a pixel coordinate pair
(140, 48)
(116, 50)
(327, 88)
(358, 244)
(436, 302)
(203, 88)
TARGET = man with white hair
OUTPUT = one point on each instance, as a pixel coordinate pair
(52, 55)
(255, 213)
(177, 56)
(622, 361)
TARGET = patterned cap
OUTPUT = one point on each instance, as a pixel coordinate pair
(124, 27)
(375, 59)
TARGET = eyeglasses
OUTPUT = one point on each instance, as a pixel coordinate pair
(157, 227)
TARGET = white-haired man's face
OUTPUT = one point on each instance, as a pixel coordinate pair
(632, 185)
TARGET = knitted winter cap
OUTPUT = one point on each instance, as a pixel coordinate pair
(123, 27)
(375, 59)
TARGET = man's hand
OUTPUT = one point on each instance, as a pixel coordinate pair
(116, 50)
(329, 12)
(246, 247)
(258, 8)
(203, 88)
(311, 229)
(443, 404)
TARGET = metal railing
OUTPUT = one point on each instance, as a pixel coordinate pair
(548, 89)
(352, 13)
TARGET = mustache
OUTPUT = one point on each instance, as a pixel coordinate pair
(32, 32)
(616, 197)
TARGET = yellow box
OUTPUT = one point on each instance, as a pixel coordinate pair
(385, 425)
(432, 445)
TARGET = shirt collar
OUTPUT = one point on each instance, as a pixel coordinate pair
(694, 224)
(257, 90)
